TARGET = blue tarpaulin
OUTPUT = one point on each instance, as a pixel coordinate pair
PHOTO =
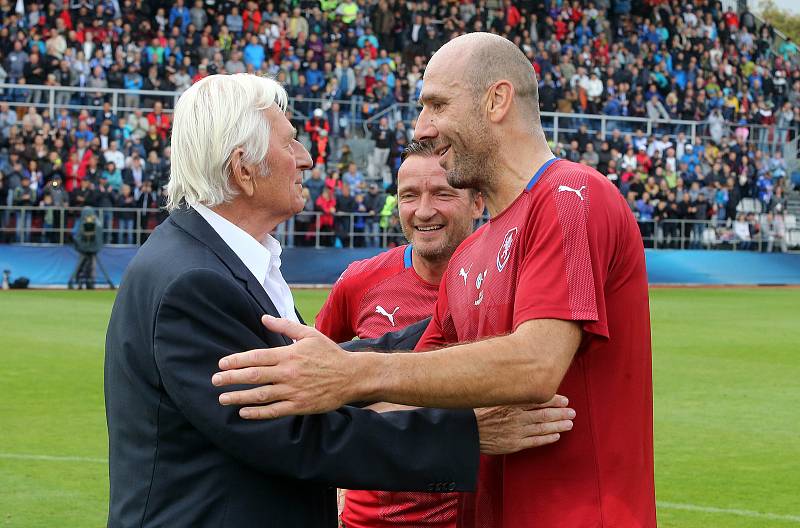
(52, 266)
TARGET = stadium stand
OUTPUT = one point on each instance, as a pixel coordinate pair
(691, 108)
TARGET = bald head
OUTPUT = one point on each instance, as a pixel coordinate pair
(486, 58)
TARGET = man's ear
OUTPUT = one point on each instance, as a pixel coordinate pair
(242, 175)
(478, 205)
(499, 98)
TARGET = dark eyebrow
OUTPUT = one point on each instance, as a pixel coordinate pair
(431, 99)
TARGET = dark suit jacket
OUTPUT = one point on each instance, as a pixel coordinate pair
(178, 458)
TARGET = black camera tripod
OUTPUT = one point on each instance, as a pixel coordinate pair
(83, 276)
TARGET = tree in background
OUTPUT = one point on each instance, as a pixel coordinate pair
(781, 19)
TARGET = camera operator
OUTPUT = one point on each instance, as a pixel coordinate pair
(88, 241)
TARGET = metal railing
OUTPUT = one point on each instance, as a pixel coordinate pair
(556, 125)
(717, 234)
(131, 227)
(54, 98)
(56, 225)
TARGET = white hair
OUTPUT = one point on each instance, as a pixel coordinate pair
(214, 117)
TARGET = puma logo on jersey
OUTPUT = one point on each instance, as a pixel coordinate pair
(465, 273)
(390, 316)
(562, 188)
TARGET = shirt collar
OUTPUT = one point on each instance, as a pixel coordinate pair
(257, 256)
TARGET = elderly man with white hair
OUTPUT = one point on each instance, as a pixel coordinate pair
(195, 292)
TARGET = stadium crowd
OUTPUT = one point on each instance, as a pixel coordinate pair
(346, 63)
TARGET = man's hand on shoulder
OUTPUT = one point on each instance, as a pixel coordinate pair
(313, 375)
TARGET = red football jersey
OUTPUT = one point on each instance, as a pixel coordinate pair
(372, 297)
(567, 248)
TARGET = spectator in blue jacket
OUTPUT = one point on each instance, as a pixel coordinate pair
(689, 158)
(315, 78)
(254, 53)
(179, 13)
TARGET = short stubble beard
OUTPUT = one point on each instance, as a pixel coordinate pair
(476, 167)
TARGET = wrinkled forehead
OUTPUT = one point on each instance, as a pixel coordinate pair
(422, 173)
(278, 121)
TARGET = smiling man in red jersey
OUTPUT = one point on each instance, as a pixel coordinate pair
(550, 295)
(398, 288)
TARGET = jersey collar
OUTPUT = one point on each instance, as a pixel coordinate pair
(539, 173)
(407, 257)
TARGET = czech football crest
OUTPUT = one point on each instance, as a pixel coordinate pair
(505, 249)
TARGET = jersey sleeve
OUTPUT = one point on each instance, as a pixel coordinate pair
(440, 331)
(336, 319)
(559, 273)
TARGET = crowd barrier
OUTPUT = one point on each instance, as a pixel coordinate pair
(52, 266)
(126, 227)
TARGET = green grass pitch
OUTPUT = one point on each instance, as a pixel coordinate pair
(727, 432)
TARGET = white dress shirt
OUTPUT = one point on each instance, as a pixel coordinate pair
(263, 259)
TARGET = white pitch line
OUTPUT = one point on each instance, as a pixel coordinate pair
(726, 511)
(17, 456)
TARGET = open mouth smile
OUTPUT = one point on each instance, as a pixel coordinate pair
(428, 229)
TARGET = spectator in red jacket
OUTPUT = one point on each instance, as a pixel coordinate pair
(251, 18)
(326, 204)
(643, 161)
(512, 14)
(317, 124)
(731, 19)
(74, 170)
(160, 120)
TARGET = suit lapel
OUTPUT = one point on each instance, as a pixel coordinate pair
(190, 221)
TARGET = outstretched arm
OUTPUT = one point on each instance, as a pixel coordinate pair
(314, 374)
(196, 326)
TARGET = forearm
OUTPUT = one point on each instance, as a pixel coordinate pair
(499, 371)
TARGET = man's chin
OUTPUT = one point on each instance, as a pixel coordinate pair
(298, 208)
(456, 180)
(428, 249)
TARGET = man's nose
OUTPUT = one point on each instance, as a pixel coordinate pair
(426, 209)
(424, 130)
(304, 161)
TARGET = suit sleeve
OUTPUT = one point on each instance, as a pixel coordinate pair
(205, 315)
(335, 319)
(401, 340)
(404, 339)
